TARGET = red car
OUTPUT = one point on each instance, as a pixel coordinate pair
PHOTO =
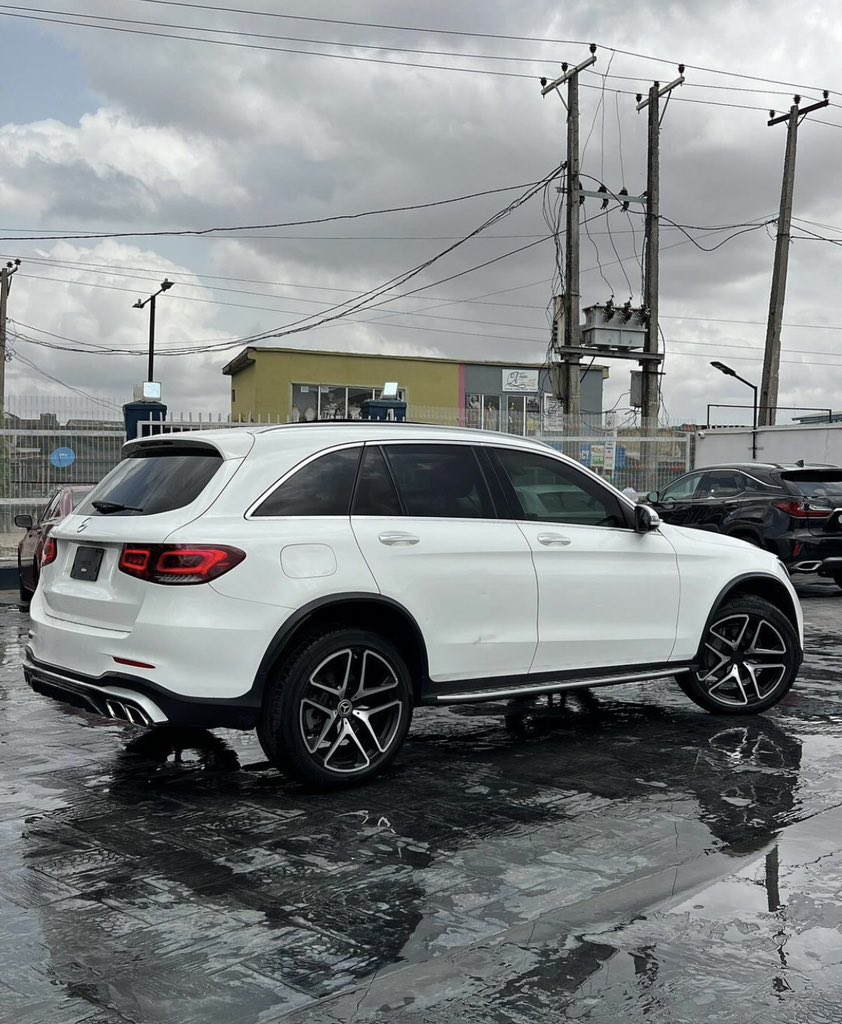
(61, 504)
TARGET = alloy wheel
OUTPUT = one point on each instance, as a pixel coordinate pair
(351, 710)
(745, 660)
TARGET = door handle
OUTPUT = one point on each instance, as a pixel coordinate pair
(553, 540)
(398, 539)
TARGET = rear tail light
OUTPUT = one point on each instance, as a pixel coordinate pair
(49, 552)
(178, 564)
(802, 510)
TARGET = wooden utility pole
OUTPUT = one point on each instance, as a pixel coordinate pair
(772, 352)
(569, 383)
(651, 379)
(6, 274)
(651, 365)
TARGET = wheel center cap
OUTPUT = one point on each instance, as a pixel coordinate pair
(344, 708)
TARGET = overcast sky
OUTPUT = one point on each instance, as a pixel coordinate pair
(106, 131)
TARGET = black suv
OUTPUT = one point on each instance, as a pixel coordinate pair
(793, 511)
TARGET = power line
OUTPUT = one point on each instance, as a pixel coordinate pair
(477, 35)
(64, 384)
(13, 12)
(174, 232)
(266, 35)
(263, 47)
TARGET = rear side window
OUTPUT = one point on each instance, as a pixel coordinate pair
(321, 488)
(152, 481)
(376, 494)
(438, 480)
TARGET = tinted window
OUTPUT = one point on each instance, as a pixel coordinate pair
(548, 490)
(722, 484)
(375, 494)
(440, 480)
(154, 481)
(816, 485)
(683, 487)
(321, 488)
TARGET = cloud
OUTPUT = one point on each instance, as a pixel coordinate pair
(187, 134)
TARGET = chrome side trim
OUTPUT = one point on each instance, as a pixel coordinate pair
(568, 684)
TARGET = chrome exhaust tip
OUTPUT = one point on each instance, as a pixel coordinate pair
(126, 712)
(810, 566)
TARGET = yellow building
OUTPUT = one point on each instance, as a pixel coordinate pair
(284, 384)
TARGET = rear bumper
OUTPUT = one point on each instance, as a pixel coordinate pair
(129, 699)
(809, 552)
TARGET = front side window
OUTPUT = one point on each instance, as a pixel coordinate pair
(548, 490)
(438, 480)
(322, 487)
(153, 480)
(681, 489)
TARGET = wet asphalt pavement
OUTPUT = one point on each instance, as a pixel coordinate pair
(620, 856)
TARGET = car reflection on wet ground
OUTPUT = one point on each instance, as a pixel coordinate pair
(615, 853)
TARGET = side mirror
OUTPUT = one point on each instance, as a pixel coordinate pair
(645, 519)
(652, 496)
(24, 522)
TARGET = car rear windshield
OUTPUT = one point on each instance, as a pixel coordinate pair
(815, 483)
(151, 481)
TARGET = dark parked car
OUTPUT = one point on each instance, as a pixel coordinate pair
(61, 504)
(794, 511)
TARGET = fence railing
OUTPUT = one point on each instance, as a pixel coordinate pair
(38, 455)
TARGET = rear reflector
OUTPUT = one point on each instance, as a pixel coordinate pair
(133, 664)
(49, 552)
(178, 564)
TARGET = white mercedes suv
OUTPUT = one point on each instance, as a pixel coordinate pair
(317, 581)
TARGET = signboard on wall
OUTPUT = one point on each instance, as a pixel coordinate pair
(520, 380)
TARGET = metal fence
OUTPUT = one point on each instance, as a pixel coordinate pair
(45, 443)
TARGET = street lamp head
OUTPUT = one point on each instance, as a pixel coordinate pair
(723, 369)
(138, 304)
(166, 285)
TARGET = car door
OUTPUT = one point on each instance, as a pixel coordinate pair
(428, 528)
(608, 596)
(679, 502)
(721, 493)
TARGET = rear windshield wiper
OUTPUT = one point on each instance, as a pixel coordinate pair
(114, 506)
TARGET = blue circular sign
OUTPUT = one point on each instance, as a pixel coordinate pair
(61, 458)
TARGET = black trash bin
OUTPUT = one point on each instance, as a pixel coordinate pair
(137, 416)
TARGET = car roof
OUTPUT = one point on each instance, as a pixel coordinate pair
(747, 467)
(236, 441)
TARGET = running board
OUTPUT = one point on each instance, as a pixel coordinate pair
(476, 696)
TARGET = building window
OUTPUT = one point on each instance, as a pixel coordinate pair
(482, 411)
(329, 401)
(521, 413)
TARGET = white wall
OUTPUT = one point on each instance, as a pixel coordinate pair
(811, 442)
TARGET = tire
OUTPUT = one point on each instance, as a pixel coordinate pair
(749, 657)
(338, 708)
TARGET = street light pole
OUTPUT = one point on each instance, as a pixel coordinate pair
(165, 286)
(733, 373)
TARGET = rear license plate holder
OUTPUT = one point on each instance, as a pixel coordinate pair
(86, 563)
